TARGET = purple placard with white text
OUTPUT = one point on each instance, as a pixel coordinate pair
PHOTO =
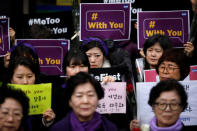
(105, 21)
(4, 36)
(50, 52)
(174, 24)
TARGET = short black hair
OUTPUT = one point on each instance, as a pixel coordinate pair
(93, 42)
(177, 56)
(163, 41)
(18, 95)
(82, 78)
(168, 85)
(77, 56)
(25, 50)
(24, 61)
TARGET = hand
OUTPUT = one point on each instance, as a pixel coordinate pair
(12, 35)
(142, 53)
(134, 124)
(108, 79)
(188, 49)
(7, 59)
(49, 115)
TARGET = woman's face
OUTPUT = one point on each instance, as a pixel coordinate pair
(11, 113)
(194, 4)
(169, 70)
(72, 69)
(96, 57)
(153, 54)
(167, 116)
(23, 75)
(84, 101)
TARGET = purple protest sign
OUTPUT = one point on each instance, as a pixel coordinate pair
(105, 21)
(50, 53)
(4, 37)
(174, 24)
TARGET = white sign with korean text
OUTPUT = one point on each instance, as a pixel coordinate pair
(145, 113)
(114, 100)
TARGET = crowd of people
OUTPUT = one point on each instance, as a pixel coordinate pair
(75, 96)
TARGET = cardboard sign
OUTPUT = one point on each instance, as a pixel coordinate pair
(145, 113)
(134, 7)
(50, 52)
(114, 100)
(105, 21)
(193, 72)
(4, 36)
(39, 96)
(60, 24)
(174, 24)
(150, 76)
(100, 73)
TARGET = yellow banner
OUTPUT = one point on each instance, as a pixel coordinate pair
(39, 95)
(64, 2)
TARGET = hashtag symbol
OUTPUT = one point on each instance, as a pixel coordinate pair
(30, 22)
(152, 24)
(94, 16)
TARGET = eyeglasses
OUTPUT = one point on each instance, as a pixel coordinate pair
(170, 69)
(163, 106)
(4, 113)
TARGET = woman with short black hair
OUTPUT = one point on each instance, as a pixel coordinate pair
(82, 95)
(14, 108)
(167, 99)
(173, 64)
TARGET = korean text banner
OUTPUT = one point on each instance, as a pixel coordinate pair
(145, 112)
(105, 21)
(114, 100)
(39, 96)
(50, 52)
(174, 24)
(4, 37)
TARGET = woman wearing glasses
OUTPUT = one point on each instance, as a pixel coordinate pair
(173, 65)
(14, 107)
(152, 52)
(167, 99)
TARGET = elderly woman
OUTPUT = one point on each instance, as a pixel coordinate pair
(82, 95)
(173, 65)
(167, 99)
(14, 108)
